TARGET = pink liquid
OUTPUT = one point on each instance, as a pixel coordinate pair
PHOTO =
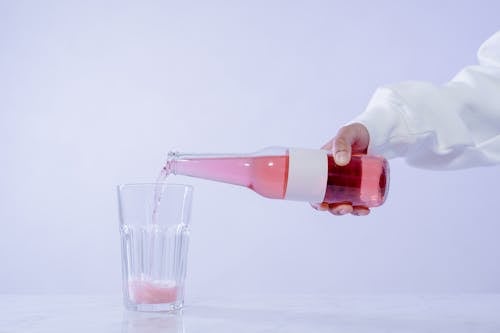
(154, 292)
(363, 182)
(150, 292)
(157, 195)
(266, 175)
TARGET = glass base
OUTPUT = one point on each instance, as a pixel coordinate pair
(160, 307)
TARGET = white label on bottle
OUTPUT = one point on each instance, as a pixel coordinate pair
(307, 175)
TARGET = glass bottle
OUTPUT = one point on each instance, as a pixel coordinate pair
(309, 175)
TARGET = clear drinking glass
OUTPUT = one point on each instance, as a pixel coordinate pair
(154, 229)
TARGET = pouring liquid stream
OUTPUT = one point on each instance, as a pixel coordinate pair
(145, 289)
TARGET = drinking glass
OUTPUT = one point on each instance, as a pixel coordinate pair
(154, 230)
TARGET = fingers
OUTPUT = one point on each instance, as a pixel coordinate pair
(328, 145)
(320, 206)
(342, 150)
(352, 138)
(349, 139)
(342, 144)
(360, 211)
(342, 209)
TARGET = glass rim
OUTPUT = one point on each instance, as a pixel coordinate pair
(176, 185)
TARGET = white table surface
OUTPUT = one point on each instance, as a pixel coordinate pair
(299, 313)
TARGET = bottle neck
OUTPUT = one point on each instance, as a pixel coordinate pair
(264, 171)
(176, 160)
(228, 168)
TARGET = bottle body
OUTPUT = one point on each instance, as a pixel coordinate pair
(293, 174)
(363, 182)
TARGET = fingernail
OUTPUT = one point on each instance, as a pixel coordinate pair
(342, 211)
(341, 157)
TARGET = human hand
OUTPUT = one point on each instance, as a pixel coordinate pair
(350, 139)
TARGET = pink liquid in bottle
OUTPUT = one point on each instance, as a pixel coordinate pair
(363, 182)
(266, 175)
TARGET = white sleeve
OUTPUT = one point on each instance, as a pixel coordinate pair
(456, 125)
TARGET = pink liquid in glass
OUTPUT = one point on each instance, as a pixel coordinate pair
(151, 292)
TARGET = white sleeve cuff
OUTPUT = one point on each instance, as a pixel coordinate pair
(384, 118)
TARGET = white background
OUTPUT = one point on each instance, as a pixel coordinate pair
(93, 94)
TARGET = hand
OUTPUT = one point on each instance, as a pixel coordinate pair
(350, 139)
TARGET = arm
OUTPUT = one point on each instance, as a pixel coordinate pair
(456, 125)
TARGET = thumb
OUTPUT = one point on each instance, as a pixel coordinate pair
(348, 138)
(342, 151)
